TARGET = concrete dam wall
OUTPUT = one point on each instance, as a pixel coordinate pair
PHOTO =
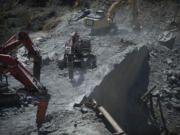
(120, 91)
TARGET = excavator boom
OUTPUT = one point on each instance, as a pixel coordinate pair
(15, 43)
(20, 73)
(113, 7)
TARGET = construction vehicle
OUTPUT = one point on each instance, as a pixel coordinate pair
(77, 54)
(10, 64)
(104, 21)
(79, 15)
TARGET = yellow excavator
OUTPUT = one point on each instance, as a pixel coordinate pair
(103, 20)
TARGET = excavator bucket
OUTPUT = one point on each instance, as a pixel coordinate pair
(41, 111)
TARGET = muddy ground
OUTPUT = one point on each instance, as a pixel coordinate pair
(62, 118)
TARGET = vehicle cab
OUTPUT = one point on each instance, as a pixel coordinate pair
(97, 19)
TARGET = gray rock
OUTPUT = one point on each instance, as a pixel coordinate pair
(177, 74)
(176, 106)
(169, 61)
(167, 39)
(177, 89)
(75, 125)
(172, 79)
(169, 72)
(84, 110)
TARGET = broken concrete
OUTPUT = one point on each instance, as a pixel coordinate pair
(120, 90)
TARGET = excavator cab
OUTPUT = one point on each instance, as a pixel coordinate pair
(93, 19)
(101, 13)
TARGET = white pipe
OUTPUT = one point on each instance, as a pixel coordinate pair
(110, 120)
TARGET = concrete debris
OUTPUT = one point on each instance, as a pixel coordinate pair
(169, 61)
(167, 39)
(84, 110)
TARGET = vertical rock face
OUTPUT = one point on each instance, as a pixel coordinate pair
(120, 90)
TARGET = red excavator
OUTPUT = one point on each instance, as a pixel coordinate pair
(10, 64)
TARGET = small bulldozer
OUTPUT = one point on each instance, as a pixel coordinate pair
(77, 54)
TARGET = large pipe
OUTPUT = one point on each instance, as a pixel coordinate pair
(110, 119)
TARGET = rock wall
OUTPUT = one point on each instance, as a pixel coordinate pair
(120, 90)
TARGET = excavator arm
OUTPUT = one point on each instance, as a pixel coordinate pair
(20, 73)
(111, 11)
(15, 43)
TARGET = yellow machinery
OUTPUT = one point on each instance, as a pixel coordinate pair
(101, 20)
